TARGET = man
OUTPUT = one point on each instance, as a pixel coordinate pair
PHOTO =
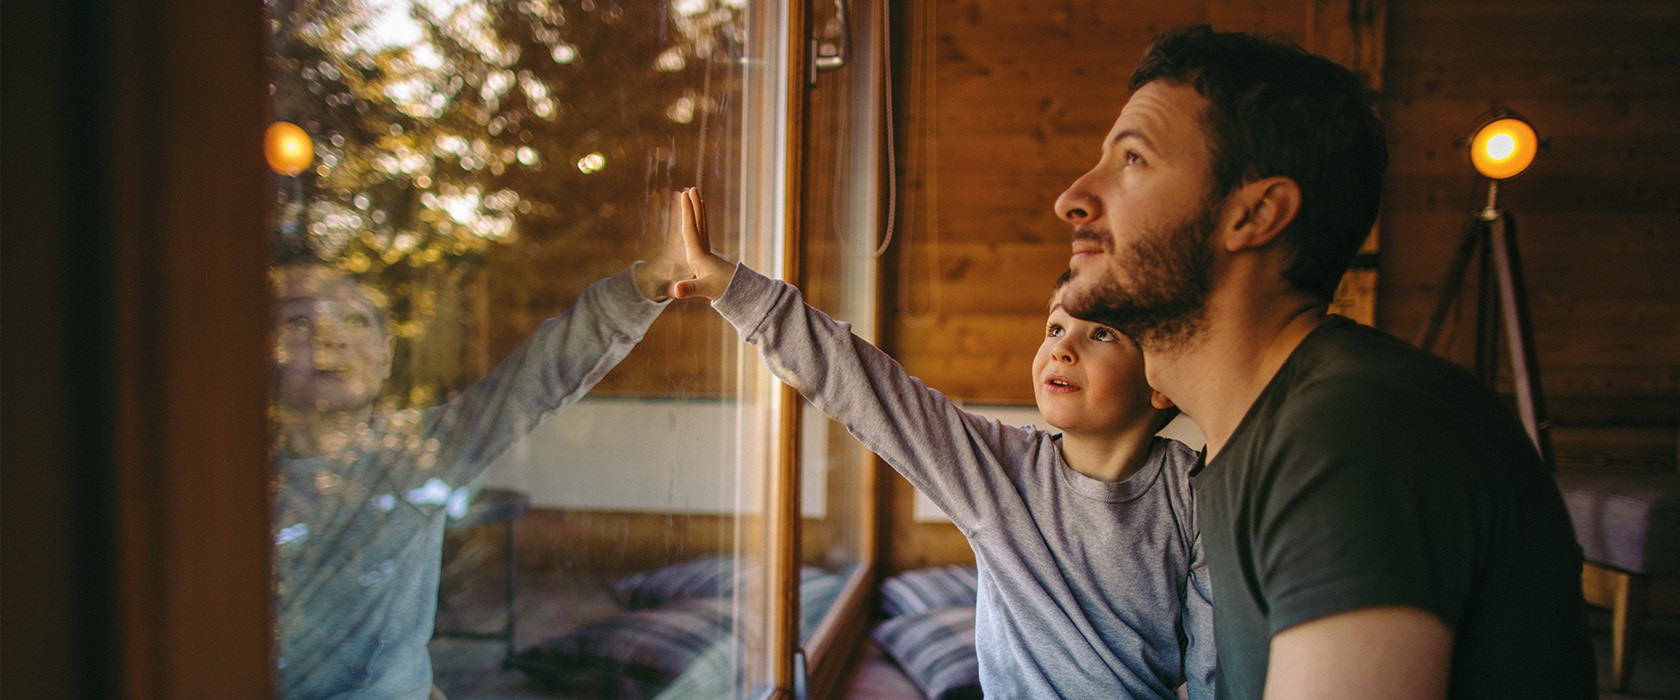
(362, 494)
(1376, 522)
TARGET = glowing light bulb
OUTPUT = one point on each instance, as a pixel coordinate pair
(1501, 146)
(1504, 148)
(288, 148)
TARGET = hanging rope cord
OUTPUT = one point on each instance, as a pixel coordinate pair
(884, 39)
(925, 84)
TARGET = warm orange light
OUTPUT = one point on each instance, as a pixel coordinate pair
(287, 148)
(1504, 148)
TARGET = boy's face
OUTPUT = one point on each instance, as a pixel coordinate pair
(1087, 377)
(331, 350)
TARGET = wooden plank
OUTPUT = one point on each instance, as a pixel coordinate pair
(618, 543)
(1508, 77)
(1545, 193)
(1352, 33)
(1566, 11)
(1633, 448)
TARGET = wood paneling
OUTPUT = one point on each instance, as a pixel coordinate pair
(1598, 213)
(616, 543)
(1003, 104)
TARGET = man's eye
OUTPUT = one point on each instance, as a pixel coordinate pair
(357, 321)
(296, 323)
(1133, 158)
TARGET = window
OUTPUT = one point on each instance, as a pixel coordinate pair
(461, 190)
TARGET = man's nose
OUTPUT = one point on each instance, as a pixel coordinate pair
(1075, 205)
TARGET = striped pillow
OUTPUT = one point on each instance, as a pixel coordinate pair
(928, 589)
(632, 655)
(703, 577)
(936, 650)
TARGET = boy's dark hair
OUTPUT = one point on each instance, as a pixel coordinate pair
(1067, 275)
(1275, 109)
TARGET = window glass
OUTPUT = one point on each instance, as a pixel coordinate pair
(843, 242)
(483, 428)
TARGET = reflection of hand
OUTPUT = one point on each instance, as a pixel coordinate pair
(655, 277)
(711, 273)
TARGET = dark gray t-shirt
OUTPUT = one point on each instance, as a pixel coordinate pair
(358, 535)
(1084, 585)
(1369, 473)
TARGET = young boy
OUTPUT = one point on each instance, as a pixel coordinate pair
(1089, 559)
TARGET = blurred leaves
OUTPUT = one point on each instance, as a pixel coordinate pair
(445, 127)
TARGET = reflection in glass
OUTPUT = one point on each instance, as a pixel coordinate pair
(456, 316)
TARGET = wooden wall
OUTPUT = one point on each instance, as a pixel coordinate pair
(1002, 104)
(1598, 214)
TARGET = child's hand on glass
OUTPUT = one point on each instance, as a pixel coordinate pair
(711, 274)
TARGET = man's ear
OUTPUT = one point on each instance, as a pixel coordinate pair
(1160, 401)
(1260, 211)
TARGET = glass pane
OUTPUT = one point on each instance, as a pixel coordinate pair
(468, 436)
(843, 243)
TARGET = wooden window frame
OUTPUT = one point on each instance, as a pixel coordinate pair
(171, 89)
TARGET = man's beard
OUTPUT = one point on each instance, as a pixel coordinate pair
(1171, 272)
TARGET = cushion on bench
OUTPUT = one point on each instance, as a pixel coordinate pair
(1626, 521)
(931, 588)
(935, 648)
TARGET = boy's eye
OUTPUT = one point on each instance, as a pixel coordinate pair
(1053, 330)
(1104, 334)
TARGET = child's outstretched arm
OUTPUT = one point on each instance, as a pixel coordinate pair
(960, 460)
(566, 356)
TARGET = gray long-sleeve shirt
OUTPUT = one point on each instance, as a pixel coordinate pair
(1084, 585)
(358, 534)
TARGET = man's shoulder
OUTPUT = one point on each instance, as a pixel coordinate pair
(1346, 366)
(1358, 391)
(1352, 349)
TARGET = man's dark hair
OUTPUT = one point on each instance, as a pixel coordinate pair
(1275, 109)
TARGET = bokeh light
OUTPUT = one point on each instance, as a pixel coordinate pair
(288, 148)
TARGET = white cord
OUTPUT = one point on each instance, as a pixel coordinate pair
(930, 148)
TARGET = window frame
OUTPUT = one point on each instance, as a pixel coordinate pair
(187, 351)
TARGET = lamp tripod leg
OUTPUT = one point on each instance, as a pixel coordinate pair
(1519, 334)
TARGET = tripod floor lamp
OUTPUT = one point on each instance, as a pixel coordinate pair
(1501, 148)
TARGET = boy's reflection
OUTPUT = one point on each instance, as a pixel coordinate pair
(333, 355)
(363, 494)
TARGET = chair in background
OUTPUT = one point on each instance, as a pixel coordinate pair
(493, 507)
(1628, 525)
